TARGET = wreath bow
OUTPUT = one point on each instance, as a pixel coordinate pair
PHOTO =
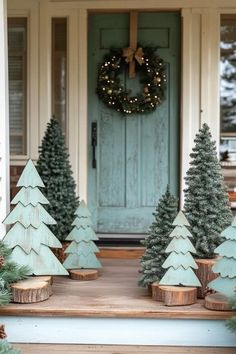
(131, 54)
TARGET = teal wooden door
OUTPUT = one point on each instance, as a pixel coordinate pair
(136, 155)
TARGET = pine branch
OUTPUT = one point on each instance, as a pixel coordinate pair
(6, 348)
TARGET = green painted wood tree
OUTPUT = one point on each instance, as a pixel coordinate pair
(55, 170)
(206, 201)
(226, 265)
(180, 263)
(82, 249)
(231, 323)
(157, 239)
(29, 238)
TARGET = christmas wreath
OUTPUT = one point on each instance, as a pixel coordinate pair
(151, 70)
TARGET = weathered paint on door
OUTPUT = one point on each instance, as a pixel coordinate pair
(136, 155)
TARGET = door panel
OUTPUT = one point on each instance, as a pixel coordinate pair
(136, 155)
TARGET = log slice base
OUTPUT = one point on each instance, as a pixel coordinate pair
(205, 275)
(178, 295)
(83, 274)
(30, 291)
(157, 293)
(217, 302)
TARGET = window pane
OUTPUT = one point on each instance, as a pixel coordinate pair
(17, 61)
(59, 70)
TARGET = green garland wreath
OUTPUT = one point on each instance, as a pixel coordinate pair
(152, 77)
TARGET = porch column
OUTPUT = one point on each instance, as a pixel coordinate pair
(4, 118)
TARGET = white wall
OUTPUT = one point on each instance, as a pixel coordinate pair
(4, 120)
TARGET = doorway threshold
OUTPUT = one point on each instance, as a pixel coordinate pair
(117, 239)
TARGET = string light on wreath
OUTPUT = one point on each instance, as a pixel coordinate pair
(152, 78)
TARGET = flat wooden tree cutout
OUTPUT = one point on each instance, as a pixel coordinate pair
(180, 263)
(81, 251)
(29, 238)
(225, 284)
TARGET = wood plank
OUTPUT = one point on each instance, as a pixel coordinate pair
(217, 302)
(114, 294)
(118, 349)
(83, 274)
(121, 252)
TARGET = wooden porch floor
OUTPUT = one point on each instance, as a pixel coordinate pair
(113, 310)
(114, 294)
(118, 349)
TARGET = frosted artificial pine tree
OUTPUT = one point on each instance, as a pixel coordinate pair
(29, 238)
(180, 262)
(206, 200)
(226, 265)
(81, 251)
(157, 239)
(55, 170)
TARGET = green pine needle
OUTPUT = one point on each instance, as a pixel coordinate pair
(5, 297)
(7, 348)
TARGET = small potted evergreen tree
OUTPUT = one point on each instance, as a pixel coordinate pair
(206, 203)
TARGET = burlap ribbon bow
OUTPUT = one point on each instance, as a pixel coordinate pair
(130, 56)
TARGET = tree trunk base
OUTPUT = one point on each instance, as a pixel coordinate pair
(178, 295)
(83, 274)
(30, 290)
(157, 293)
(205, 275)
(218, 302)
(47, 278)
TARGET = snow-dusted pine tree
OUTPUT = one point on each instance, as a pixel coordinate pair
(206, 201)
(55, 170)
(157, 239)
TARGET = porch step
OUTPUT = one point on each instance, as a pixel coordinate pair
(118, 349)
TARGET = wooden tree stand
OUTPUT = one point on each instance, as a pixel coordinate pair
(47, 278)
(157, 293)
(83, 274)
(178, 295)
(31, 290)
(205, 275)
(218, 302)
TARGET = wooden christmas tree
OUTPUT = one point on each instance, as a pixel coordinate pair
(82, 248)
(29, 237)
(225, 266)
(180, 262)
